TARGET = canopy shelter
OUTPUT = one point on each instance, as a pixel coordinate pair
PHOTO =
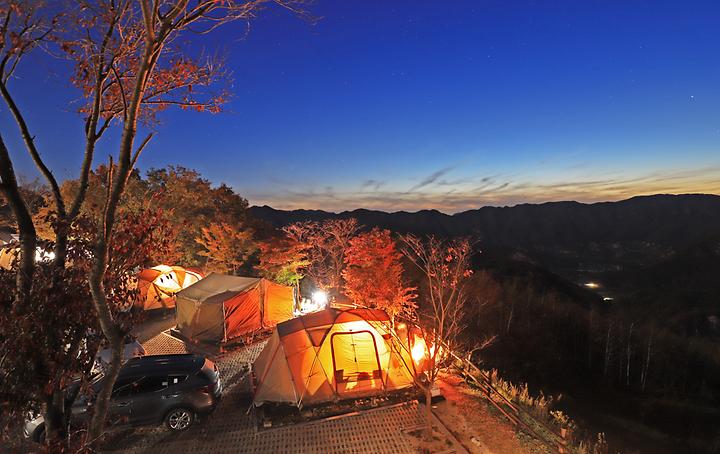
(330, 355)
(159, 284)
(221, 307)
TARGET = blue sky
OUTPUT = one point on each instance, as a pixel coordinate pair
(404, 105)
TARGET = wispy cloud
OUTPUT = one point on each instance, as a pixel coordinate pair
(494, 190)
(372, 184)
(430, 179)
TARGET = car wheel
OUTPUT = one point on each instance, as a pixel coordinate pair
(179, 419)
(40, 434)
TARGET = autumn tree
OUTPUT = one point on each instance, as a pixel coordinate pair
(151, 78)
(325, 243)
(373, 274)
(189, 202)
(283, 260)
(35, 195)
(129, 68)
(55, 342)
(192, 202)
(135, 197)
(445, 268)
(225, 247)
(25, 27)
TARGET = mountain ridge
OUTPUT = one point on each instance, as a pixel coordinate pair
(433, 210)
(565, 237)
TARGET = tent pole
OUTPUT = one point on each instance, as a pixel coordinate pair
(224, 322)
(262, 302)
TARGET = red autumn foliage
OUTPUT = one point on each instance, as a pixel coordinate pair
(128, 64)
(53, 341)
(373, 273)
(283, 259)
(444, 266)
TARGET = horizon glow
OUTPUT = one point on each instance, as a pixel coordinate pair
(405, 107)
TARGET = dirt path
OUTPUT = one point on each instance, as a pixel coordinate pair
(477, 427)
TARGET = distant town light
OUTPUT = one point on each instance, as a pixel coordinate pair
(592, 285)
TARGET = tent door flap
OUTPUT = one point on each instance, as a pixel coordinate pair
(356, 362)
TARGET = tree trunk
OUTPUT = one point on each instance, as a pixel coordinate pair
(97, 273)
(428, 434)
(629, 355)
(608, 354)
(646, 366)
(26, 230)
(54, 415)
(54, 402)
(590, 339)
(102, 402)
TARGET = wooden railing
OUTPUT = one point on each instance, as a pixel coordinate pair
(517, 415)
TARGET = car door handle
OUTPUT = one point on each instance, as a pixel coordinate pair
(170, 396)
(122, 404)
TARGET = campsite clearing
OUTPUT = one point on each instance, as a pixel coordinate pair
(390, 429)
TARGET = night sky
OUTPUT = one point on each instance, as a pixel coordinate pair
(405, 105)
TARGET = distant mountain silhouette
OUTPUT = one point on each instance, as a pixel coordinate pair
(565, 237)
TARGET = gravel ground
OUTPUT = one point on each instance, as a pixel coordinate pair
(232, 428)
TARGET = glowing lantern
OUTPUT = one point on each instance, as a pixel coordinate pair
(418, 351)
(320, 298)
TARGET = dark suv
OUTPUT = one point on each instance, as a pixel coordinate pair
(152, 389)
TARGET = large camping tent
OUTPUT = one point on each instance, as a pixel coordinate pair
(221, 307)
(331, 354)
(159, 284)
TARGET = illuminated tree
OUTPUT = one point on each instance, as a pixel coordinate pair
(193, 203)
(225, 247)
(282, 259)
(445, 269)
(326, 243)
(373, 274)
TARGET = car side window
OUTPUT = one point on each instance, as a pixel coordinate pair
(124, 387)
(151, 384)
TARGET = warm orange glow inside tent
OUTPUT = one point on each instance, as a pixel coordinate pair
(332, 354)
(159, 284)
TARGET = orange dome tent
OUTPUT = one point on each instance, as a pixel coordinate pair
(332, 354)
(159, 284)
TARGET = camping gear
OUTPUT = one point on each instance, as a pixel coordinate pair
(220, 307)
(159, 284)
(332, 354)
